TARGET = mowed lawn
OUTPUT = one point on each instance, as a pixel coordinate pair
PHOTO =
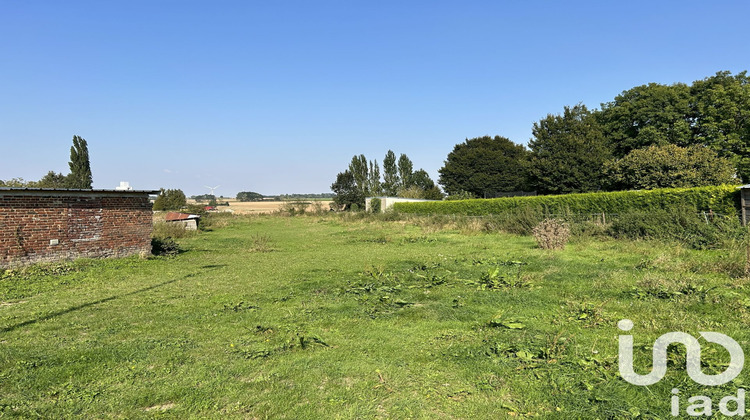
(329, 317)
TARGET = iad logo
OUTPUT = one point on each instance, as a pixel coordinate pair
(700, 405)
(693, 348)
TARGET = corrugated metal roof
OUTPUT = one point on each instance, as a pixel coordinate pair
(173, 216)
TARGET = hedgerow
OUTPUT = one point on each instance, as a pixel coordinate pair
(723, 199)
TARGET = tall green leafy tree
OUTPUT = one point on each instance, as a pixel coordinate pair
(374, 179)
(646, 115)
(53, 180)
(80, 167)
(568, 152)
(391, 179)
(722, 117)
(346, 190)
(405, 172)
(171, 199)
(423, 183)
(359, 170)
(485, 164)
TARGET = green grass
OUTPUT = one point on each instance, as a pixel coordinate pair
(323, 317)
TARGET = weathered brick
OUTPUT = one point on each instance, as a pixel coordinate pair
(92, 224)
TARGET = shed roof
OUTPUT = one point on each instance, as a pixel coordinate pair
(174, 216)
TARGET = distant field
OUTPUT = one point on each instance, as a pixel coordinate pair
(333, 317)
(260, 207)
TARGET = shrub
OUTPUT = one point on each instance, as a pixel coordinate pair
(293, 208)
(170, 230)
(164, 246)
(669, 166)
(552, 234)
(375, 205)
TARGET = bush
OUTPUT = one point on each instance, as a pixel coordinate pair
(293, 208)
(170, 230)
(669, 166)
(375, 205)
(164, 246)
(552, 234)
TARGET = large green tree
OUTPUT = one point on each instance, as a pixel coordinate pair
(646, 115)
(405, 172)
(359, 170)
(171, 199)
(568, 152)
(80, 167)
(721, 110)
(346, 190)
(390, 174)
(374, 184)
(425, 185)
(669, 166)
(53, 180)
(484, 165)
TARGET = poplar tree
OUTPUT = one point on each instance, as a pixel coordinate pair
(80, 167)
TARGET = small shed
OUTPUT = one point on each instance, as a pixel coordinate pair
(190, 221)
(745, 203)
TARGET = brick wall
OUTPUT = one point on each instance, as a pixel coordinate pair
(41, 226)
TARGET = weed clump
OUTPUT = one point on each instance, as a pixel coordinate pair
(551, 234)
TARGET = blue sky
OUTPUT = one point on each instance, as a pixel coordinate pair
(276, 96)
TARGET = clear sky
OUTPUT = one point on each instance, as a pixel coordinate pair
(276, 96)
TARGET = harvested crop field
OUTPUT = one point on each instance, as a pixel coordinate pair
(264, 207)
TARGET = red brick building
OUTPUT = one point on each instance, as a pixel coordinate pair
(41, 225)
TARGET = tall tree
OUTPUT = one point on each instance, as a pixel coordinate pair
(568, 152)
(80, 167)
(646, 115)
(170, 200)
(53, 180)
(347, 192)
(358, 169)
(423, 183)
(405, 171)
(485, 164)
(722, 115)
(374, 182)
(390, 174)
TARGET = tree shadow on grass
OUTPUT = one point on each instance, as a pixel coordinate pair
(82, 306)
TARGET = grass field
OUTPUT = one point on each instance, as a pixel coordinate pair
(336, 317)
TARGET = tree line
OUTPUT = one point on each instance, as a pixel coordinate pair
(363, 179)
(650, 136)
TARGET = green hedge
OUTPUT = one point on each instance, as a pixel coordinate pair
(723, 199)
